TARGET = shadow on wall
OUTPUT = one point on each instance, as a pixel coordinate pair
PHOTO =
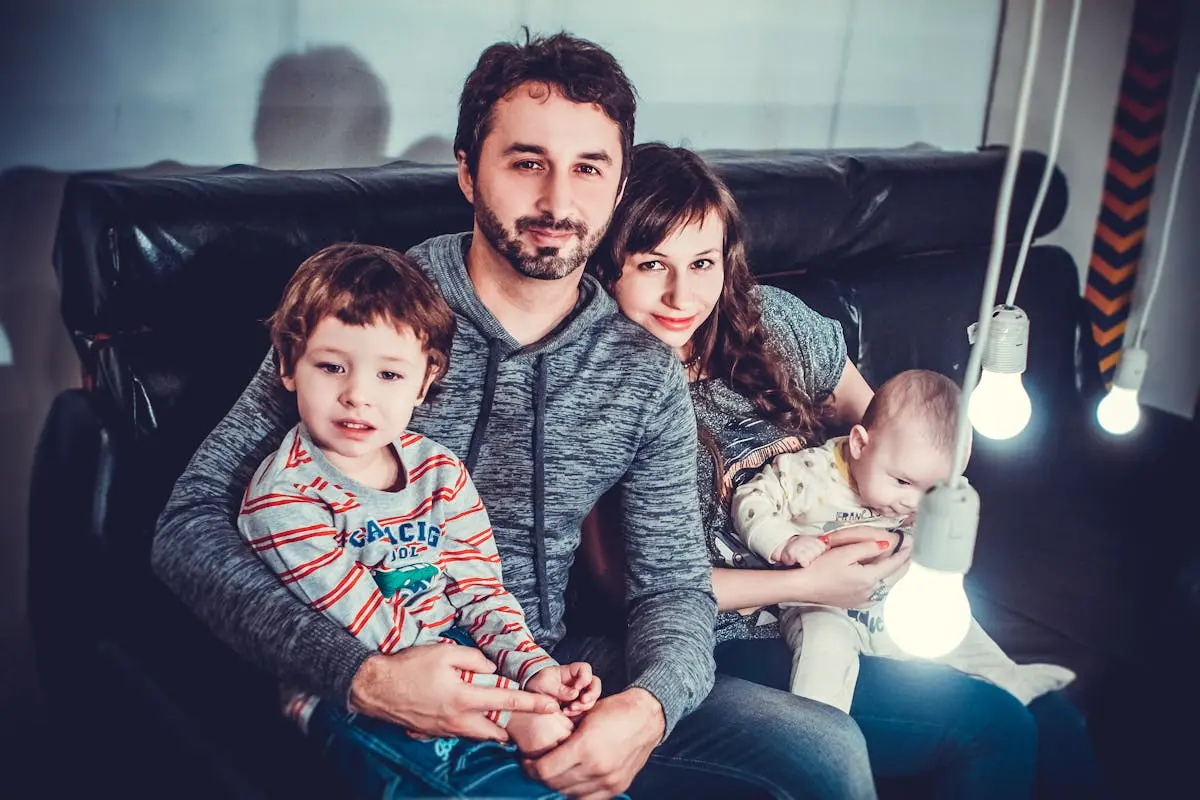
(324, 107)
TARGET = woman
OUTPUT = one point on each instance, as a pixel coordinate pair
(766, 374)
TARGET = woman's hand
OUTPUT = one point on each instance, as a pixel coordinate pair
(846, 575)
(849, 573)
(865, 533)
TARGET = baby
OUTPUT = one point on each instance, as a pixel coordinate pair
(376, 526)
(875, 476)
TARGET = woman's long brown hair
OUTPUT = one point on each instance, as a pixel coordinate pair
(668, 188)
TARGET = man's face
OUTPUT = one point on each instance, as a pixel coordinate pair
(549, 176)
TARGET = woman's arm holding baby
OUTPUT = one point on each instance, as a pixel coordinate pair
(845, 576)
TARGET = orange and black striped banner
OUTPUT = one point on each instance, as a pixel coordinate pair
(1132, 161)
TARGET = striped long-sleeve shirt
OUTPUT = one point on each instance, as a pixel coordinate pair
(395, 568)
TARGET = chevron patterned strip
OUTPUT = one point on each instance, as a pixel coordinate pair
(1109, 362)
(1107, 337)
(1121, 227)
(1104, 305)
(1144, 112)
(1133, 180)
(1150, 78)
(1137, 91)
(1111, 274)
(1133, 154)
(1137, 145)
(1122, 244)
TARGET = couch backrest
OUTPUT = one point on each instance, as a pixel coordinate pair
(166, 280)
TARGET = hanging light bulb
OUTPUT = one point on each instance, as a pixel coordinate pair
(1118, 413)
(999, 407)
(927, 613)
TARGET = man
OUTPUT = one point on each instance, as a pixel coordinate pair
(555, 398)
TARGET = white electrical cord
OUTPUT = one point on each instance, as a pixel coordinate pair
(1144, 313)
(991, 280)
(1060, 108)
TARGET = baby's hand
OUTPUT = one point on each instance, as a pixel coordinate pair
(534, 734)
(801, 551)
(572, 685)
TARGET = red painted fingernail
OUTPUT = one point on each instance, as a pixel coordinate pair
(824, 539)
(883, 545)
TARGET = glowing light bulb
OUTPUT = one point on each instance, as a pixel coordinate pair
(1118, 413)
(999, 407)
(927, 613)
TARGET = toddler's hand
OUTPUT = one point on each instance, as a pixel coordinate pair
(801, 551)
(572, 685)
(534, 734)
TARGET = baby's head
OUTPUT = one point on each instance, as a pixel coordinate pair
(363, 337)
(905, 443)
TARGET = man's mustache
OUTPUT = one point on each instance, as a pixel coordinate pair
(547, 222)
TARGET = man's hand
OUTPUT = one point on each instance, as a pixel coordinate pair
(422, 689)
(572, 685)
(610, 744)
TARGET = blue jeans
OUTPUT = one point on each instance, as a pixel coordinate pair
(743, 741)
(377, 760)
(935, 732)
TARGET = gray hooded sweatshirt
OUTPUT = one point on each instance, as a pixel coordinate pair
(545, 430)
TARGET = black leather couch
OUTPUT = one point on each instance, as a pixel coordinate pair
(165, 281)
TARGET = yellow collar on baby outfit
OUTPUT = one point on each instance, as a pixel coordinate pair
(839, 458)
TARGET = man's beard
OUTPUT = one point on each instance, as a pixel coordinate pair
(547, 263)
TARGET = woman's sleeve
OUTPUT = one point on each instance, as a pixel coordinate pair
(812, 344)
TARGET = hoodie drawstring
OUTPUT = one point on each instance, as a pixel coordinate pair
(539, 488)
(485, 407)
(539, 442)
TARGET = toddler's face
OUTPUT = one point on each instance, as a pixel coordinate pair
(893, 464)
(356, 387)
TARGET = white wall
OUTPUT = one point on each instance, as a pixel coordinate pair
(121, 83)
(1173, 331)
(1173, 339)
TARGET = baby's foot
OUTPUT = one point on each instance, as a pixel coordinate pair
(534, 734)
(1035, 680)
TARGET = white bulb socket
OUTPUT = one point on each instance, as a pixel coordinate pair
(947, 523)
(1007, 343)
(1131, 369)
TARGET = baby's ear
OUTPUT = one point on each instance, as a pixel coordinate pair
(858, 441)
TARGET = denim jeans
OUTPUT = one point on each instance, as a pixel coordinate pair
(378, 760)
(745, 740)
(938, 733)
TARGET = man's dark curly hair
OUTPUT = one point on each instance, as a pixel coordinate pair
(582, 71)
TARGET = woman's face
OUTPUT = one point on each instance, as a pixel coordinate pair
(671, 290)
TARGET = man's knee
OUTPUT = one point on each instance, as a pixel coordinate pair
(808, 721)
(789, 743)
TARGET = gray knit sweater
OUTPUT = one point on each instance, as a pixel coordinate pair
(545, 429)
